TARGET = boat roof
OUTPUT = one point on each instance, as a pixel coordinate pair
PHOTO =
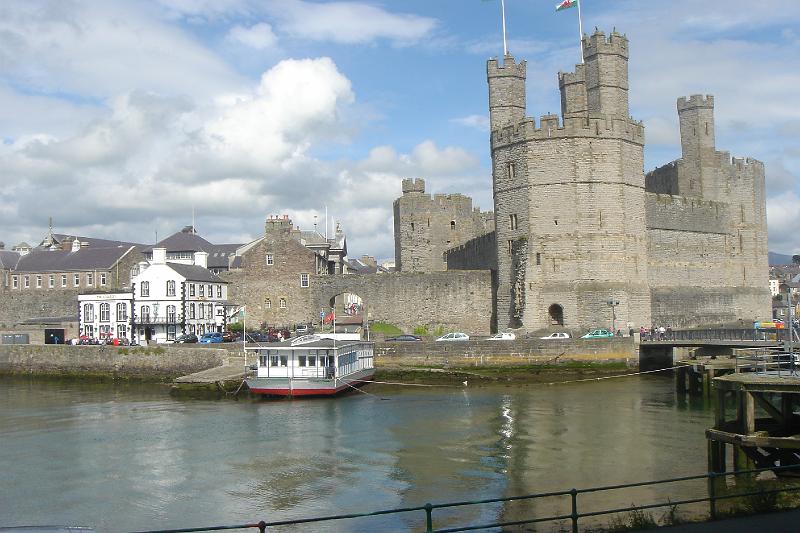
(307, 341)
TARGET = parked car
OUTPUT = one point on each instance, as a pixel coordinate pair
(278, 334)
(303, 329)
(455, 336)
(211, 338)
(558, 335)
(598, 334)
(228, 336)
(258, 336)
(403, 338)
(503, 336)
(189, 338)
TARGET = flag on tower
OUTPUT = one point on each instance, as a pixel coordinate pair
(566, 4)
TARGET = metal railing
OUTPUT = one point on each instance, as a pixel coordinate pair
(712, 479)
(763, 361)
(717, 334)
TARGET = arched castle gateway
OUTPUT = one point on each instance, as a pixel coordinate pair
(582, 236)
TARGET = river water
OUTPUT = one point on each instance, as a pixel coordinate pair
(130, 457)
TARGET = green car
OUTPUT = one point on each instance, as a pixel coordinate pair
(598, 334)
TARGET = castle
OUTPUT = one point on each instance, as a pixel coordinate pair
(582, 237)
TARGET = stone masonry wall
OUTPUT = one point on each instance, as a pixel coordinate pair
(458, 300)
(479, 253)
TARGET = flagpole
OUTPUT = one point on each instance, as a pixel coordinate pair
(503, 10)
(580, 28)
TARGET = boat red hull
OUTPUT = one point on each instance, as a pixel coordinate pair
(310, 391)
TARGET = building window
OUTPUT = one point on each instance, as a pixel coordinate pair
(88, 313)
(538, 258)
(202, 290)
(122, 332)
(219, 291)
(145, 288)
(170, 287)
(51, 282)
(304, 280)
(270, 260)
(210, 291)
(14, 282)
(145, 313)
(171, 333)
(267, 303)
(512, 172)
(171, 314)
(105, 312)
(512, 221)
(27, 282)
(452, 225)
(122, 312)
(192, 311)
(103, 279)
(191, 289)
(63, 280)
(201, 311)
(38, 282)
(89, 279)
(134, 271)
(76, 279)
(282, 303)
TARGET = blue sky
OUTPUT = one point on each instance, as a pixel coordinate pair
(118, 118)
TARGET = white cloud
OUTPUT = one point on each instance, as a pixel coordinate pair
(349, 22)
(479, 122)
(783, 218)
(258, 36)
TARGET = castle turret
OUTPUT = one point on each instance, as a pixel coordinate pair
(506, 91)
(415, 185)
(573, 92)
(606, 72)
(698, 150)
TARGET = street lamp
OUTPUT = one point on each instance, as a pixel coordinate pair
(613, 303)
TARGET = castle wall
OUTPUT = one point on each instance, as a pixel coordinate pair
(458, 300)
(479, 253)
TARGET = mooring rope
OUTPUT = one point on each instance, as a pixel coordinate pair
(406, 384)
(234, 393)
(615, 376)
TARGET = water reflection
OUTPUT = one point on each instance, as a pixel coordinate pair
(123, 458)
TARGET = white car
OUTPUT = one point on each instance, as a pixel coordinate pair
(558, 335)
(454, 337)
(504, 336)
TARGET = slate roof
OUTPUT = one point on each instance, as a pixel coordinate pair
(356, 266)
(65, 261)
(8, 259)
(186, 241)
(96, 243)
(195, 273)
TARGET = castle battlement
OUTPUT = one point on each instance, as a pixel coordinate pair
(415, 185)
(570, 78)
(551, 127)
(695, 101)
(509, 68)
(691, 202)
(598, 43)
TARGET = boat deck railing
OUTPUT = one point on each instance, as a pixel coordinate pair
(767, 361)
(715, 483)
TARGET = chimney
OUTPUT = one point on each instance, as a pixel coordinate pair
(76, 245)
(201, 259)
(66, 244)
(159, 256)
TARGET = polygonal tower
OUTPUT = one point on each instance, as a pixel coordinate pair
(569, 199)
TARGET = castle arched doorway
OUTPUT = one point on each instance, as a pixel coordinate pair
(556, 313)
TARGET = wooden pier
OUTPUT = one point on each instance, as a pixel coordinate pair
(765, 431)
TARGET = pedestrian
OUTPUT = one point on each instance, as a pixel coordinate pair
(662, 333)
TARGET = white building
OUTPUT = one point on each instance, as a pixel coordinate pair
(774, 287)
(171, 299)
(106, 315)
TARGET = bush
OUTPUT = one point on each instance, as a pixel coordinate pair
(236, 327)
(421, 330)
(386, 329)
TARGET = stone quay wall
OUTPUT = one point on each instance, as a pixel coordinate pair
(117, 361)
(506, 353)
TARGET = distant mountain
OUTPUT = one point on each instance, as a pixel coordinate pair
(779, 259)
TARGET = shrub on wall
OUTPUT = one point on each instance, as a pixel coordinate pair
(385, 328)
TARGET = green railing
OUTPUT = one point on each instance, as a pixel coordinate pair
(575, 515)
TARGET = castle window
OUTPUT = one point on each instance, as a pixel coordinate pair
(270, 259)
(512, 220)
(706, 128)
(412, 226)
(304, 280)
(512, 173)
(510, 246)
(282, 303)
(452, 225)
(538, 258)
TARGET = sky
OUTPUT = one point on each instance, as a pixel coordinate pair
(129, 119)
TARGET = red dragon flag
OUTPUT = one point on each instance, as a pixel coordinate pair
(566, 4)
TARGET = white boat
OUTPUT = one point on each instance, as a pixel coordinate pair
(311, 366)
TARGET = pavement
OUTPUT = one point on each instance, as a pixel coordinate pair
(783, 522)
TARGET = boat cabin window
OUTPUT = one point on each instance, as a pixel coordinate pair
(262, 360)
(312, 360)
(278, 360)
(301, 360)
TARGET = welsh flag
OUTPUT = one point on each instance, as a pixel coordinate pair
(566, 4)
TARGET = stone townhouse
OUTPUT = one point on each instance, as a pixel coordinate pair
(275, 276)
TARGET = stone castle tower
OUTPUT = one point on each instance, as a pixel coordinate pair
(569, 197)
(426, 227)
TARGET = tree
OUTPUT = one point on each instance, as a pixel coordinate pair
(796, 259)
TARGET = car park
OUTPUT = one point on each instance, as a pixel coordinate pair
(503, 336)
(403, 338)
(598, 334)
(189, 338)
(455, 336)
(211, 338)
(558, 335)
